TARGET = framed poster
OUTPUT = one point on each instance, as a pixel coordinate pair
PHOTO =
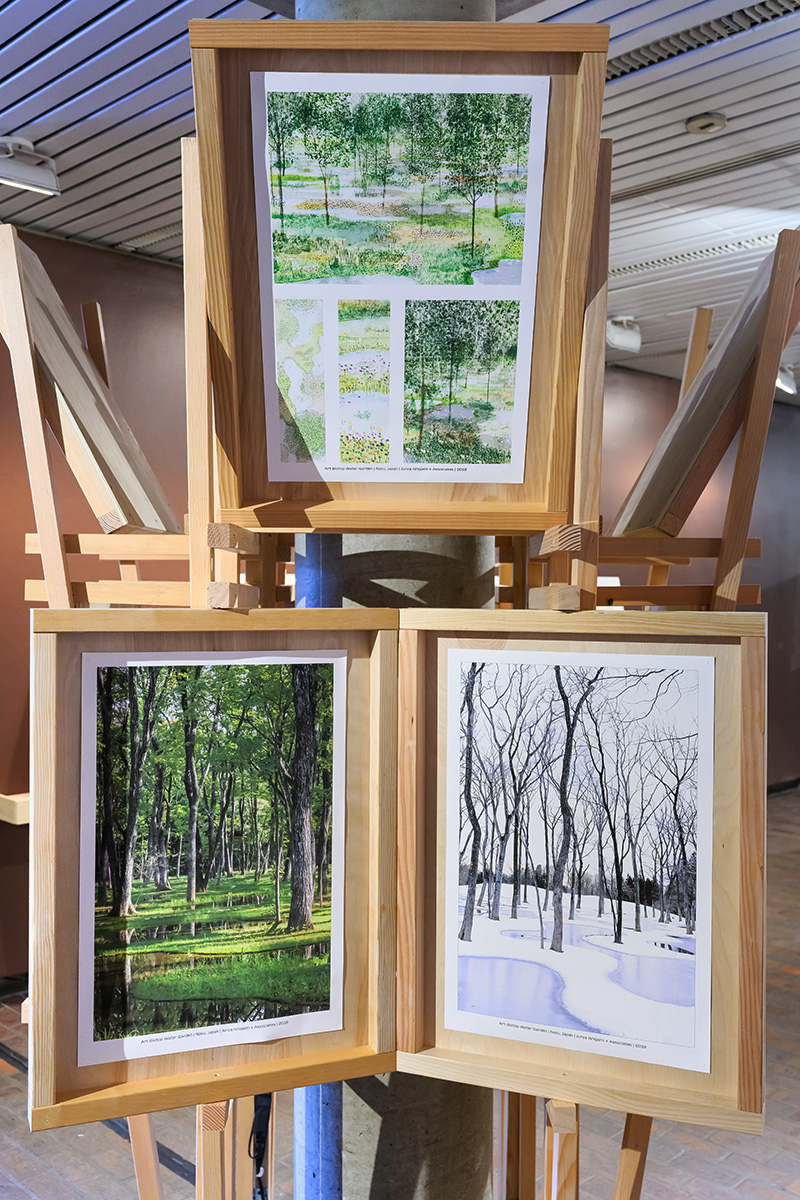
(414, 197)
(594, 788)
(213, 824)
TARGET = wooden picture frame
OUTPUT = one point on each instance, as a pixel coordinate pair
(63, 1093)
(731, 1094)
(223, 55)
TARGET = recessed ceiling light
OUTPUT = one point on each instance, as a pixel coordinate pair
(23, 167)
(709, 122)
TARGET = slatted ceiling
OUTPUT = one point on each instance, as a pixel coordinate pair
(16, 15)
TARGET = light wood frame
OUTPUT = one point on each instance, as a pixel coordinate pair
(61, 1093)
(223, 55)
(731, 1095)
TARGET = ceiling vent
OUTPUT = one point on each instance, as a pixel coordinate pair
(145, 240)
(717, 30)
(764, 241)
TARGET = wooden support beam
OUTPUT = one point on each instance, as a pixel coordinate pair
(519, 577)
(561, 538)
(145, 1157)
(241, 1123)
(752, 441)
(15, 809)
(673, 595)
(95, 337)
(136, 547)
(19, 338)
(633, 1157)
(199, 405)
(233, 596)
(557, 597)
(698, 347)
(561, 1151)
(214, 1176)
(623, 549)
(222, 535)
(153, 593)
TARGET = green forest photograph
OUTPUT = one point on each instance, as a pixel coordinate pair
(460, 375)
(425, 186)
(213, 844)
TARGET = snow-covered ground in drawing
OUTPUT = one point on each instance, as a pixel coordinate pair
(641, 993)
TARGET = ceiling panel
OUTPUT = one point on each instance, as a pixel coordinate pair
(104, 86)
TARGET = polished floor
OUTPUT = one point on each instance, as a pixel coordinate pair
(93, 1162)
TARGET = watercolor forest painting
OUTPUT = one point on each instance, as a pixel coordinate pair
(364, 380)
(460, 376)
(214, 835)
(580, 853)
(301, 378)
(426, 186)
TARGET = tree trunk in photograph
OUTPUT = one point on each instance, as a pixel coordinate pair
(394, 1135)
(301, 842)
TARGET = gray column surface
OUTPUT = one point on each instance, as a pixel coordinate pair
(405, 1137)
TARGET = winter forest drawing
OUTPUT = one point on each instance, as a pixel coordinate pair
(582, 831)
(213, 832)
(423, 207)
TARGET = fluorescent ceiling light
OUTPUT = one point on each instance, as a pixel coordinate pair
(622, 333)
(786, 381)
(23, 167)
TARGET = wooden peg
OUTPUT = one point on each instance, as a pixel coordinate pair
(633, 1157)
(232, 595)
(145, 1157)
(561, 1151)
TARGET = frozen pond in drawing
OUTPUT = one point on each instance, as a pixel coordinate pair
(515, 991)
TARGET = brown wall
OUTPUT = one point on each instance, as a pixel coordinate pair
(637, 407)
(142, 305)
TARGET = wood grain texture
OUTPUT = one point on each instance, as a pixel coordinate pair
(157, 592)
(618, 549)
(694, 626)
(582, 1077)
(527, 1147)
(408, 35)
(145, 1157)
(213, 1164)
(555, 597)
(697, 348)
(178, 1091)
(109, 546)
(65, 1093)
(633, 1157)
(561, 1151)
(780, 295)
(44, 774)
(222, 535)
(411, 842)
(347, 516)
(222, 72)
(94, 335)
(243, 1169)
(171, 622)
(199, 404)
(383, 849)
(16, 809)
(112, 454)
(19, 339)
(752, 965)
(234, 596)
(705, 421)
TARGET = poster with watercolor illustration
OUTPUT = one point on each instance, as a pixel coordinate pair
(579, 836)
(398, 230)
(212, 844)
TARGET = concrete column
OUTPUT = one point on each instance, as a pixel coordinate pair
(394, 1137)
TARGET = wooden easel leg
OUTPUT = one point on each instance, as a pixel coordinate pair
(241, 1123)
(633, 1157)
(561, 1151)
(214, 1175)
(519, 573)
(145, 1157)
